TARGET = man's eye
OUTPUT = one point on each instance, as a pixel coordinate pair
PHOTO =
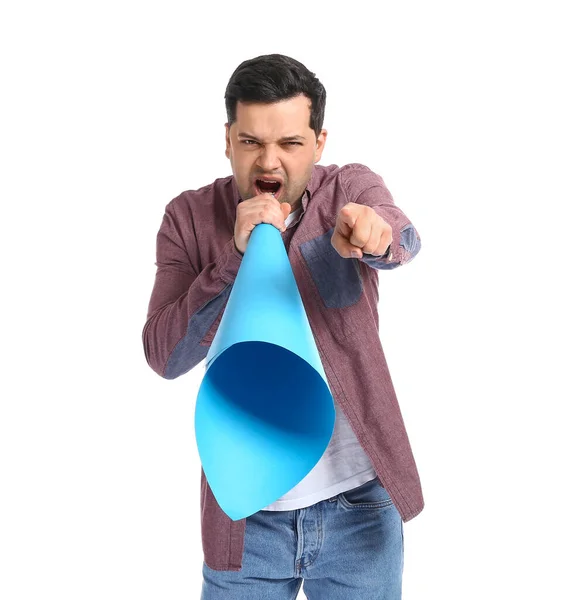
(246, 142)
(295, 143)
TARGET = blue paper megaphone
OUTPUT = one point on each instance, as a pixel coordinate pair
(264, 412)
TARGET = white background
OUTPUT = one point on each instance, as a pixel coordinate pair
(111, 109)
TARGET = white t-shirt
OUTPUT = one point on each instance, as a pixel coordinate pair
(343, 466)
(292, 216)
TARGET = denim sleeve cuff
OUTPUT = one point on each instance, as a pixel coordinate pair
(406, 243)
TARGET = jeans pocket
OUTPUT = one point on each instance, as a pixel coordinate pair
(369, 495)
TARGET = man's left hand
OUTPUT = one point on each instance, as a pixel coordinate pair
(359, 229)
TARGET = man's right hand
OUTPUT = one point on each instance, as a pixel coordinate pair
(259, 209)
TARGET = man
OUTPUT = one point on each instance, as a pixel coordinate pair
(340, 530)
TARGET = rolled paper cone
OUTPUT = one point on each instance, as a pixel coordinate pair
(264, 412)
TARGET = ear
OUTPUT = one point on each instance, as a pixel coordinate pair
(320, 145)
(227, 140)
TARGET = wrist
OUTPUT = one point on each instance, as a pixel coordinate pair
(237, 249)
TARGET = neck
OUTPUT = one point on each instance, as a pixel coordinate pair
(296, 204)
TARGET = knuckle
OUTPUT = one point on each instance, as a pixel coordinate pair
(357, 240)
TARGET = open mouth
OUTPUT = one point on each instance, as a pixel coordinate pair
(268, 187)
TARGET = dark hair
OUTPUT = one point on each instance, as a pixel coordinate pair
(274, 77)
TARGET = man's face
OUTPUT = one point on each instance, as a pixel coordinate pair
(274, 141)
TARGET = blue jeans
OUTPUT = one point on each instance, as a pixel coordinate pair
(348, 546)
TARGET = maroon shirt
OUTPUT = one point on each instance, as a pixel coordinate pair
(197, 264)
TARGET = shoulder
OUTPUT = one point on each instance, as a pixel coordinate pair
(352, 176)
(357, 178)
(346, 183)
(200, 202)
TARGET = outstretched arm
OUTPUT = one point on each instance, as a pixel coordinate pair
(371, 225)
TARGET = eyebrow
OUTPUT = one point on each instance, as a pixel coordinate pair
(283, 139)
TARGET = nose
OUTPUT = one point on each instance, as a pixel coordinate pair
(268, 159)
